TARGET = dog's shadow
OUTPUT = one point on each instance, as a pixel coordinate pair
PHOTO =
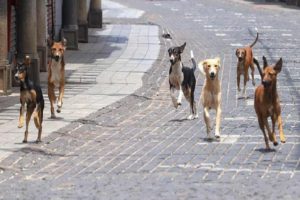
(179, 120)
(211, 140)
(56, 118)
(264, 150)
(245, 98)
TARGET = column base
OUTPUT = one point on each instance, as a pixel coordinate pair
(42, 52)
(95, 19)
(83, 35)
(5, 79)
(72, 38)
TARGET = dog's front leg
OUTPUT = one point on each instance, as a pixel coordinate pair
(273, 130)
(238, 79)
(246, 78)
(207, 121)
(29, 112)
(179, 99)
(21, 117)
(281, 134)
(173, 96)
(262, 127)
(60, 97)
(218, 121)
(52, 98)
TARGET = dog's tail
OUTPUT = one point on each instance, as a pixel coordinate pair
(255, 38)
(258, 67)
(193, 60)
(201, 67)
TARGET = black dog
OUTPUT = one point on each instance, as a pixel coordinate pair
(32, 95)
(183, 79)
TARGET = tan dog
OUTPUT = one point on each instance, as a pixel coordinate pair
(211, 93)
(56, 74)
(267, 103)
(245, 60)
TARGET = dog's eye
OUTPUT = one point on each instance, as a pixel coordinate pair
(60, 49)
(208, 66)
(216, 66)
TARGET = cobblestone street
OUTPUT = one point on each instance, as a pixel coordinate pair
(139, 146)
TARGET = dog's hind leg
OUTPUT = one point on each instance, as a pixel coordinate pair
(52, 98)
(38, 119)
(252, 74)
(281, 134)
(60, 98)
(207, 121)
(29, 112)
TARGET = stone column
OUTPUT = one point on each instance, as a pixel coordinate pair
(82, 21)
(70, 27)
(95, 14)
(27, 36)
(42, 34)
(5, 69)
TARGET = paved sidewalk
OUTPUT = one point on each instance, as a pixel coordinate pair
(107, 69)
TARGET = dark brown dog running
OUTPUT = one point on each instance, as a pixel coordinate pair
(245, 60)
(267, 104)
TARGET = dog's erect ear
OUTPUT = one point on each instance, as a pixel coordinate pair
(278, 66)
(64, 42)
(265, 62)
(170, 50)
(218, 61)
(50, 42)
(182, 47)
(27, 60)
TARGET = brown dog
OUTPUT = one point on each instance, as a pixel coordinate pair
(31, 95)
(56, 74)
(267, 104)
(245, 60)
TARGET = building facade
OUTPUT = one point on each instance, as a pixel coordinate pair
(29, 23)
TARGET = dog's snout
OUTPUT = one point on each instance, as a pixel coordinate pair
(266, 83)
(56, 57)
(16, 76)
(212, 74)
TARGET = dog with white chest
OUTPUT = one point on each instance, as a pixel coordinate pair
(182, 78)
(211, 93)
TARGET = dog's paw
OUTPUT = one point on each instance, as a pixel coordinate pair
(217, 135)
(275, 143)
(24, 141)
(53, 116)
(38, 141)
(190, 117)
(58, 110)
(253, 83)
(20, 125)
(196, 116)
